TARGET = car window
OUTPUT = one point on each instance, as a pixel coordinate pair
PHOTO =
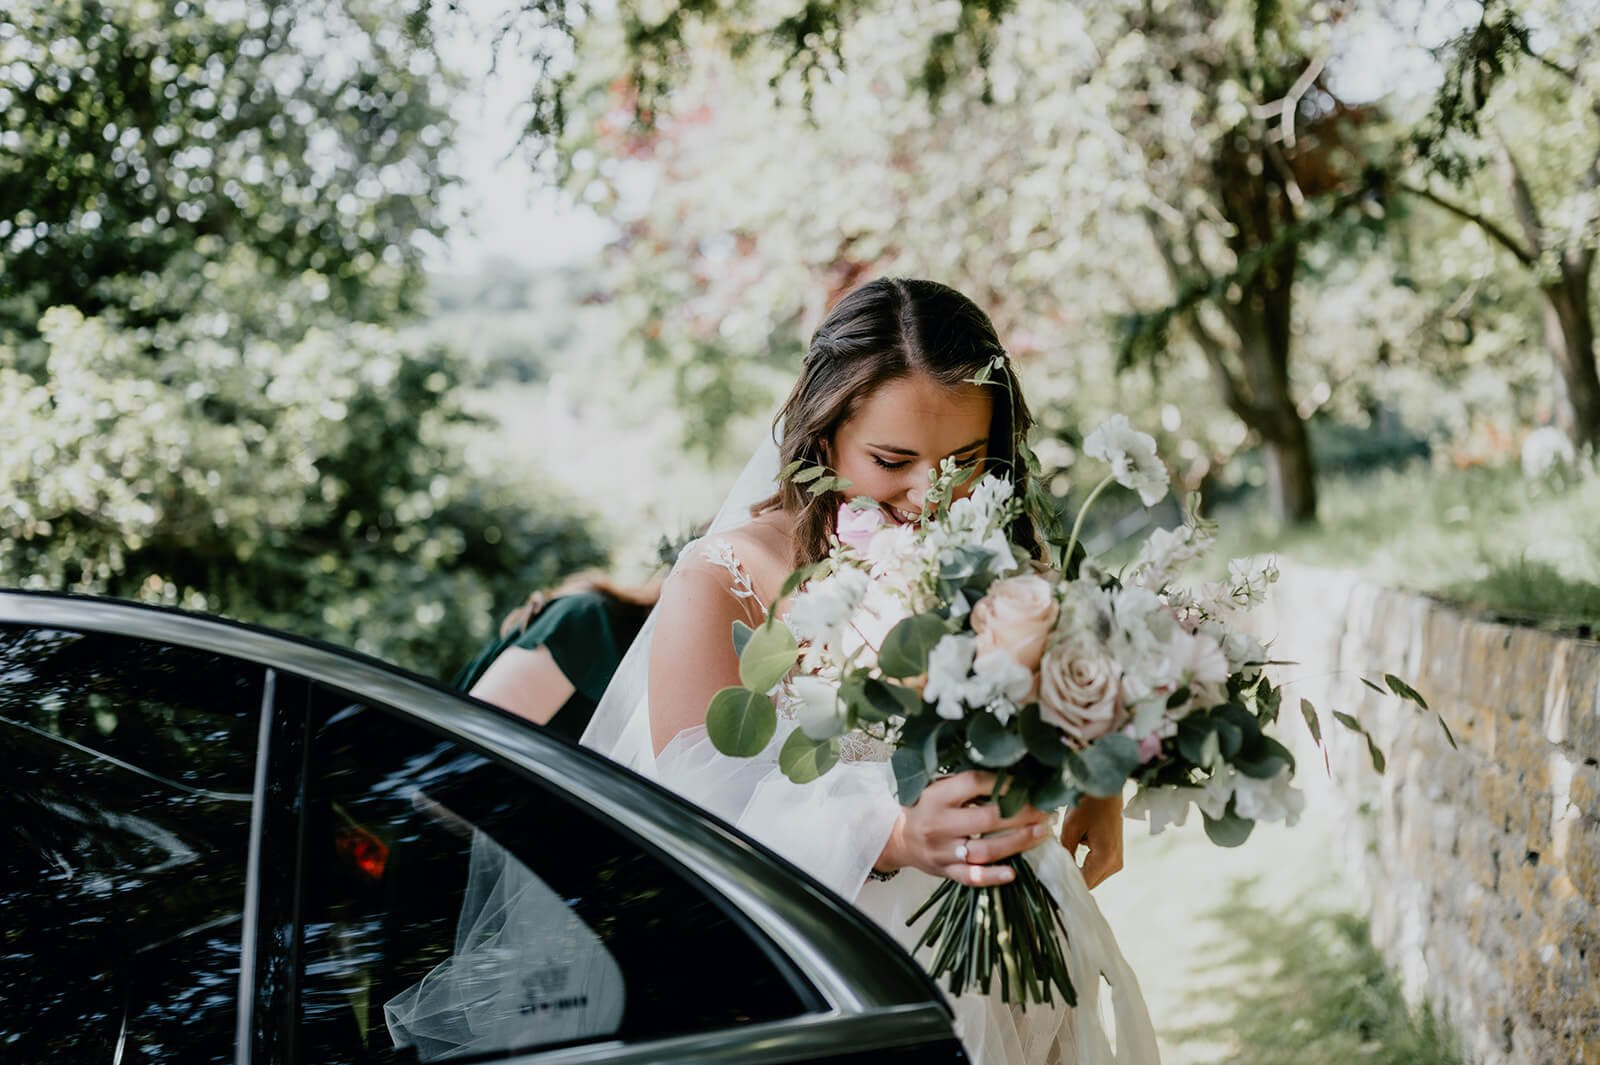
(453, 906)
(124, 830)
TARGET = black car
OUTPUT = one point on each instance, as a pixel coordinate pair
(223, 844)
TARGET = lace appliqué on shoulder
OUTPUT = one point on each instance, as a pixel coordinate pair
(720, 553)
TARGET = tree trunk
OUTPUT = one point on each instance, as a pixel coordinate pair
(1569, 334)
(1291, 477)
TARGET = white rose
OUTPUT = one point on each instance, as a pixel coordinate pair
(1016, 616)
(1080, 689)
(816, 706)
(1132, 456)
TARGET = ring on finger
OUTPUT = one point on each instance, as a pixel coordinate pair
(961, 851)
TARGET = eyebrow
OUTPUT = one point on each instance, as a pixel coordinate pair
(904, 451)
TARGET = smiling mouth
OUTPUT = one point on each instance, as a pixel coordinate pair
(900, 516)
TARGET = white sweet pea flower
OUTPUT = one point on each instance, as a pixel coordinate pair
(1213, 796)
(1249, 579)
(1244, 652)
(816, 706)
(1002, 709)
(1086, 610)
(1161, 807)
(1132, 457)
(1268, 800)
(824, 606)
(1165, 553)
(949, 664)
(881, 609)
(1001, 559)
(1002, 676)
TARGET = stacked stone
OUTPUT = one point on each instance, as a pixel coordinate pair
(1481, 866)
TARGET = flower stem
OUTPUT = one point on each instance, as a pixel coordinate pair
(1077, 526)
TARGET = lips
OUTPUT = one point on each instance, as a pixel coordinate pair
(900, 516)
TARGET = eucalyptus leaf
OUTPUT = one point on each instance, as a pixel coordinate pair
(905, 650)
(741, 636)
(810, 473)
(1106, 764)
(1265, 760)
(1348, 722)
(1053, 794)
(803, 759)
(740, 723)
(768, 656)
(993, 745)
(791, 469)
(1378, 761)
(1373, 686)
(1447, 733)
(1045, 742)
(1229, 830)
(1013, 799)
(910, 774)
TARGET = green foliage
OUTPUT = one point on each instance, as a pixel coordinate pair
(741, 722)
(149, 141)
(1299, 985)
(767, 657)
(311, 486)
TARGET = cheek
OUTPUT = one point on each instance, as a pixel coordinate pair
(867, 478)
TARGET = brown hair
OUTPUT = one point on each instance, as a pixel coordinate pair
(885, 330)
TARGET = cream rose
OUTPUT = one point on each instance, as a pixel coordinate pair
(1016, 617)
(1080, 689)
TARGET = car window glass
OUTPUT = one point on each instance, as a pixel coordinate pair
(454, 907)
(124, 829)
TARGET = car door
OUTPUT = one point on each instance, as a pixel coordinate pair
(396, 874)
(126, 778)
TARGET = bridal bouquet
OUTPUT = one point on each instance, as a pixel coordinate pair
(946, 641)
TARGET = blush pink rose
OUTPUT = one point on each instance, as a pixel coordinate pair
(1080, 690)
(855, 527)
(1016, 617)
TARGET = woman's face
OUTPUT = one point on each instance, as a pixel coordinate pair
(903, 430)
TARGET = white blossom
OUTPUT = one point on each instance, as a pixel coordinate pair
(1132, 456)
(824, 606)
(998, 675)
(816, 705)
(1161, 807)
(1249, 579)
(1268, 800)
(1164, 553)
(949, 664)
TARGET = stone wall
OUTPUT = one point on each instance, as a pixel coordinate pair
(1480, 867)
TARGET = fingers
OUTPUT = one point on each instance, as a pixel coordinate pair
(1101, 864)
(982, 820)
(1003, 844)
(979, 875)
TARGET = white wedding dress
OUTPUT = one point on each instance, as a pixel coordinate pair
(835, 829)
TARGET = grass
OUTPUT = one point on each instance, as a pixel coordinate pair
(1303, 985)
(1486, 538)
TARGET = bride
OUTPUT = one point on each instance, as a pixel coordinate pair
(887, 391)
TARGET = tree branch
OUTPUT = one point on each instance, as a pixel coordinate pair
(1525, 257)
(1522, 204)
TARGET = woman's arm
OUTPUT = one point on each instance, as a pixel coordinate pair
(528, 683)
(691, 654)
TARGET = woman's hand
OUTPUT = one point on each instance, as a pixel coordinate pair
(1096, 824)
(927, 835)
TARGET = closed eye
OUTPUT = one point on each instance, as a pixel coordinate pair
(888, 465)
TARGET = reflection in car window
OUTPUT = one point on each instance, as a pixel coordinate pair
(454, 907)
(124, 826)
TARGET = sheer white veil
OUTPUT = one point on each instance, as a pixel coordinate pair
(620, 727)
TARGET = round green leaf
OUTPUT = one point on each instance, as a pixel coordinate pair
(905, 650)
(992, 744)
(769, 655)
(803, 759)
(910, 774)
(1229, 830)
(1104, 766)
(740, 722)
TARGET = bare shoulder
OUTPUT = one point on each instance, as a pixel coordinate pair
(762, 547)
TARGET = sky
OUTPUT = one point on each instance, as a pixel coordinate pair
(510, 212)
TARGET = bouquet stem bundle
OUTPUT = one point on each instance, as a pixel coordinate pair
(1014, 929)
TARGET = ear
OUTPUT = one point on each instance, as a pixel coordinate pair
(825, 450)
